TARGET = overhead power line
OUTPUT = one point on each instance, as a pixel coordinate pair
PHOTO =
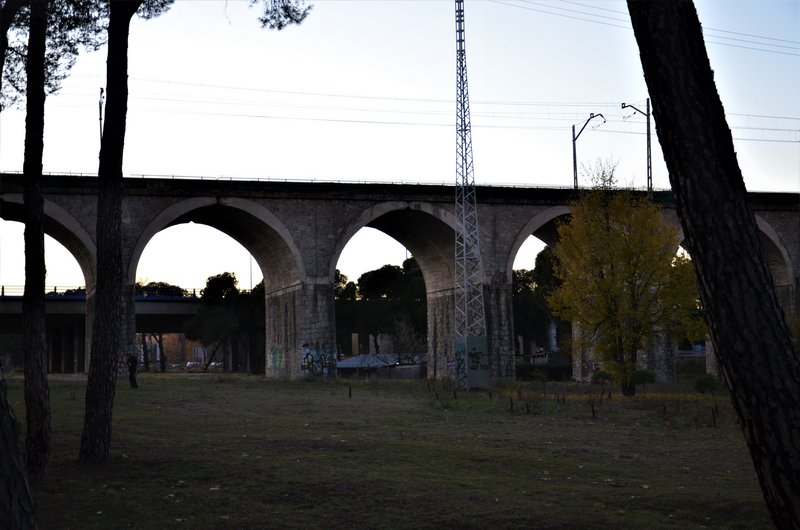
(226, 102)
(762, 44)
(237, 101)
(182, 97)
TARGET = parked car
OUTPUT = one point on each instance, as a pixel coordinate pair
(193, 365)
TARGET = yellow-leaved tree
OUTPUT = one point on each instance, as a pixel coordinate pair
(623, 284)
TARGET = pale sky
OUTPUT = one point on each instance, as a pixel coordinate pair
(365, 91)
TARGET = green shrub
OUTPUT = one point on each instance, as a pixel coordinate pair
(706, 383)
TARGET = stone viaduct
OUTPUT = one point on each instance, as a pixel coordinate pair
(297, 230)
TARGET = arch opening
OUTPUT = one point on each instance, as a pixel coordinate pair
(212, 238)
(187, 254)
(541, 340)
(414, 320)
(65, 294)
(251, 227)
(73, 242)
(62, 268)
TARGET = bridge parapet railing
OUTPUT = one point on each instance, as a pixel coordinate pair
(50, 291)
(79, 291)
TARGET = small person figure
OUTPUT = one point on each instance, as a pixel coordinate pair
(133, 363)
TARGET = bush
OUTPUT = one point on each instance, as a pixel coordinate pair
(643, 377)
(601, 377)
(706, 383)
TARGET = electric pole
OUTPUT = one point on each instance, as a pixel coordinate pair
(649, 158)
(472, 357)
(574, 140)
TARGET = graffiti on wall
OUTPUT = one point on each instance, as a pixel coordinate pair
(472, 362)
(318, 361)
(275, 359)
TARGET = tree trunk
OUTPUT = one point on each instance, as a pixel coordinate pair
(16, 501)
(96, 437)
(747, 326)
(162, 354)
(37, 392)
(145, 353)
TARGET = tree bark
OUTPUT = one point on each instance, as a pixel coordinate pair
(746, 323)
(37, 392)
(162, 359)
(16, 501)
(96, 438)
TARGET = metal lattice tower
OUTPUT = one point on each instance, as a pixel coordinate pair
(470, 319)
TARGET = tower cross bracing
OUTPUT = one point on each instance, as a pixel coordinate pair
(470, 321)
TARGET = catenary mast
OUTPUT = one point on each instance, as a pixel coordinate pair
(471, 362)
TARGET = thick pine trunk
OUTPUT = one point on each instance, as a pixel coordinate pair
(16, 501)
(100, 388)
(747, 326)
(37, 392)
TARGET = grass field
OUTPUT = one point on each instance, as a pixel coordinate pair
(216, 451)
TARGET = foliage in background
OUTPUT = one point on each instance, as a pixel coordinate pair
(390, 300)
(162, 289)
(230, 323)
(706, 383)
(532, 314)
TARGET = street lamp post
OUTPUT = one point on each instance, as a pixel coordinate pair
(574, 139)
(649, 159)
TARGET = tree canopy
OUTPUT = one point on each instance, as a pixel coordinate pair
(82, 24)
(383, 283)
(159, 289)
(230, 321)
(623, 285)
(391, 299)
(530, 290)
(72, 25)
(281, 13)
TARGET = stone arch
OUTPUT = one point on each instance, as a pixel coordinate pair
(426, 229)
(271, 244)
(61, 226)
(780, 263)
(253, 226)
(535, 227)
(777, 256)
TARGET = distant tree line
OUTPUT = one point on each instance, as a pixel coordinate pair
(230, 324)
(390, 300)
(532, 314)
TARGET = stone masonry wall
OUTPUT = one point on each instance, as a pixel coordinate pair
(441, 335)
(300, 329)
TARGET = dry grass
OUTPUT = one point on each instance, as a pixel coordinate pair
(241, 452)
